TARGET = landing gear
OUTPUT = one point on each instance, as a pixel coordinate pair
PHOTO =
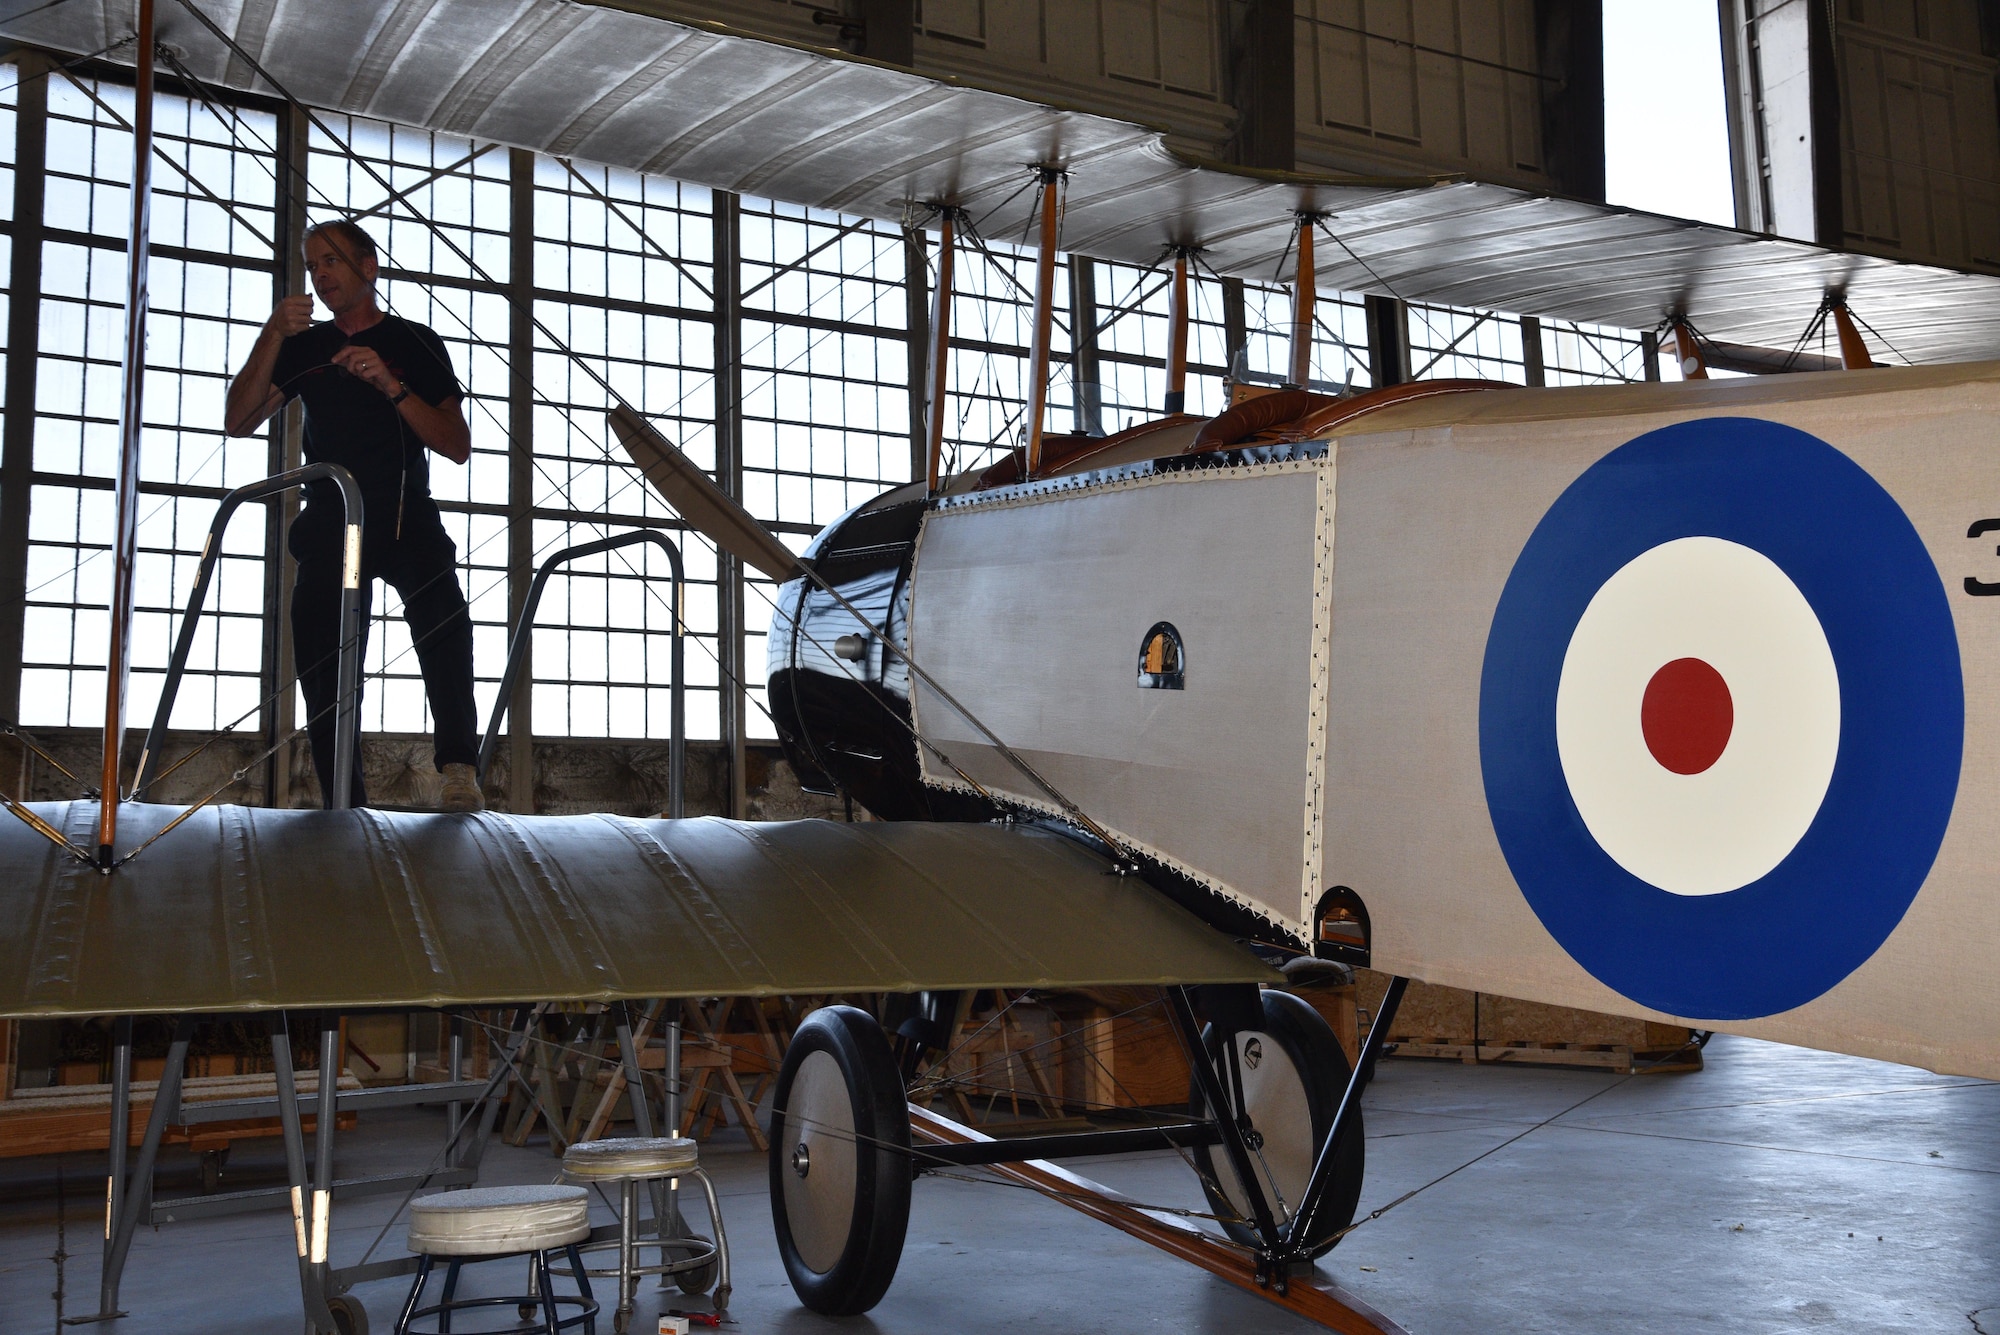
(1287, 1078)
(840, 1162)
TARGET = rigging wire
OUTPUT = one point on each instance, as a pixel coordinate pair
(440, 234)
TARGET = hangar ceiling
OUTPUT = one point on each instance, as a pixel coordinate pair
(733, 112)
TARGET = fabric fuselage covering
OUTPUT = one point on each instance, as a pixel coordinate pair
(250, 908)
(1677, 701)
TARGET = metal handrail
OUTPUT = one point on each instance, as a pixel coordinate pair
(350, 619)
(524, 625)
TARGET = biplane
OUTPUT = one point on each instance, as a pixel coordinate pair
(1661, 700)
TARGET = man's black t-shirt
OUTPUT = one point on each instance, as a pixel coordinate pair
(351, 423)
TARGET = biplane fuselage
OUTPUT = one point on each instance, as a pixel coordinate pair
(1421, 708)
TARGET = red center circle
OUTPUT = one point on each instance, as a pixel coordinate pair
(1687, 716)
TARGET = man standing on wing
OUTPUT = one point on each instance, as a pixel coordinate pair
(380, 396)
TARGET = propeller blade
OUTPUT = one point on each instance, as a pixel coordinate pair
(703, 504)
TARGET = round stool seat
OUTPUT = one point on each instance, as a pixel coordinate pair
(632, 1156)
(494, 1221)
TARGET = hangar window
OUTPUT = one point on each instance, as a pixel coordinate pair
(211, 290)
(1590, 354)
(1162, 659)
(789, 371)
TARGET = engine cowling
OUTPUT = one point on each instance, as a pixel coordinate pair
(839, 698)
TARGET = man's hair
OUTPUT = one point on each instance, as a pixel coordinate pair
(354, 244)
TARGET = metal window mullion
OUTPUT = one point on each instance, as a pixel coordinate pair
(1086, 388)
(1532, 367)
(112, 245)
(17, 438)
(1235, 324)
(521, 473)
(730, 601)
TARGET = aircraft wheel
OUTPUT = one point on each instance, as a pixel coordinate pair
(349, 1316)
(840, 1162)
(1294, 1072)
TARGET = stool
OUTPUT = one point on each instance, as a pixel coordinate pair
(628, 1162)
(488, 1223)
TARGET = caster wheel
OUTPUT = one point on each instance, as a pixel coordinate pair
(695, 1281)
(722, 1300)
(840, 1162)
(527, 1311)
(349, 1316)
(1294, 1073)
(620, 1321)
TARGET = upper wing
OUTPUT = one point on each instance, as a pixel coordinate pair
(249, 908)
(812, 126)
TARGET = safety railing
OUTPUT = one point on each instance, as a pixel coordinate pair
(350, 619)
(517, 647)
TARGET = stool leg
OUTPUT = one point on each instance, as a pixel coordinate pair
(416, 1295)
(721, 1242)
(551, 1323)
(583, 1289)
(628, 1228)
(451, 1270)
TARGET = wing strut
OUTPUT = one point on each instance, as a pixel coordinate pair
(125, 527)
(1045, 303)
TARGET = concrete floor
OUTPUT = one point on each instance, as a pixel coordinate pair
(1777, 1190)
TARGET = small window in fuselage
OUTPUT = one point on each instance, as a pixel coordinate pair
(1162, 659)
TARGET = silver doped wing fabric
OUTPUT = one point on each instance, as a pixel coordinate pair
(494, 1221)
(252, 908)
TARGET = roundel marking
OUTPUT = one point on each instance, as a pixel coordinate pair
(1741, 624)
(1721, 718)
(1686, 715)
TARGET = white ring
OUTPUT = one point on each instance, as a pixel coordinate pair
(1731, 607)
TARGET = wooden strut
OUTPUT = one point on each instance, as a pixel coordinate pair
(1177, 334)
(940, 352)
(1045, 303)
(1303, 293)
(1687, 352)
(125, 526)
(1312, 1296)
(1853, 351)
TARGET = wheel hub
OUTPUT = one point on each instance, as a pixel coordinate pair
(801, 1160)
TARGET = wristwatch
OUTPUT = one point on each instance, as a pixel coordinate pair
(400, 396)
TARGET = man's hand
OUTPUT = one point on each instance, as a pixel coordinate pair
(252, 397)
(366, 364)
(292, 316)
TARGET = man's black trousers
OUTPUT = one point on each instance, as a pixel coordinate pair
(421, 565)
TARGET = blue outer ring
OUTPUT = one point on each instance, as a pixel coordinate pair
(1786, 938)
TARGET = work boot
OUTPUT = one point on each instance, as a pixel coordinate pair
(461, 789)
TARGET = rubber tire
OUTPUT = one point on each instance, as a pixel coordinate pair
(861, 1078)
(697, 1281)
(349, 1316)
(1319, 1065)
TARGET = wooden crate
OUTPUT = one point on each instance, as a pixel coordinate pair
(1451, 1024)
(1119, 1050)
(63, 1118)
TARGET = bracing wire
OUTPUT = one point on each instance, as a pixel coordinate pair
(611, 393)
